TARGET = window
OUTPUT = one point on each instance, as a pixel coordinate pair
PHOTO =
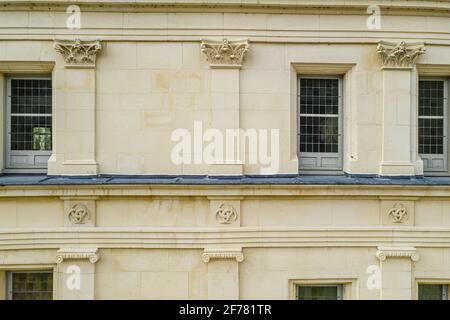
(319, 292)
(29, 122)
(433, 105)
(319, 123)
(433, 292)
(30, 285)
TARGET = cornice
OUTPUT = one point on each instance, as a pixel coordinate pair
(241, 4)
(203, 237)
(244, 191)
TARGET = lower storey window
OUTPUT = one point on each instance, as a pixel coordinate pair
(30, 285)
(319, 292)
(433, 292)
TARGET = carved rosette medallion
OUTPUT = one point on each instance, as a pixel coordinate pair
(398, 213)
(78, 214)
(225, 53)
(226, 214)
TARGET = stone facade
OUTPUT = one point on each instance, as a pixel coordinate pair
(131, 75)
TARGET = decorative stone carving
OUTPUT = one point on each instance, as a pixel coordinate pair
(78, 214)
(79, 211)
(398, 213)
(209, 254)
(402, 55)
(225, 53)
(397, 252)
(77, 253)
(77, 53)
(225, 214)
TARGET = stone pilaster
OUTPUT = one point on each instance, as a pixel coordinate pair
(399, 151)
(225, 59)
(223, 272)
(74, 114)
(76, 273)
(396, 272)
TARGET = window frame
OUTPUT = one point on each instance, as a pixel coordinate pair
(9, 280)
(339, 154)
(8, 167)
(445, 288)
(446, 132)
(339, 286)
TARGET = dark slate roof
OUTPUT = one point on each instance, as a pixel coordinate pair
(45, 180)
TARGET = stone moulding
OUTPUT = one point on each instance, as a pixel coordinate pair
(77, 253)
(77, 53)
(199, 237)
(209, 254)
(225, 53)
(397, 252)
(400, 55)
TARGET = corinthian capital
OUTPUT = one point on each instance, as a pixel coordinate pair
(77, 53)
(225, 53)
(401, 55)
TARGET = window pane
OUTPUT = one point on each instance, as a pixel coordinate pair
(317, 292)
(319, 110)
(319, 96)
(319, 134)
(31, 108)
(431, 291)
(431, 98)
(32, 286)
(431, 136)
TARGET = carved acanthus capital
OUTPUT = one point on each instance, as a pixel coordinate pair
(397, 252)
(209, 254)
(400, 55)
(77, 254)
(77, 53)
(225, 53)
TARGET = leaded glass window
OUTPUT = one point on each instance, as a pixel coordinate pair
(29, 122)
(319, 124)
(433, 292)
(319, 292)
(30, 285)
(433, 124)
